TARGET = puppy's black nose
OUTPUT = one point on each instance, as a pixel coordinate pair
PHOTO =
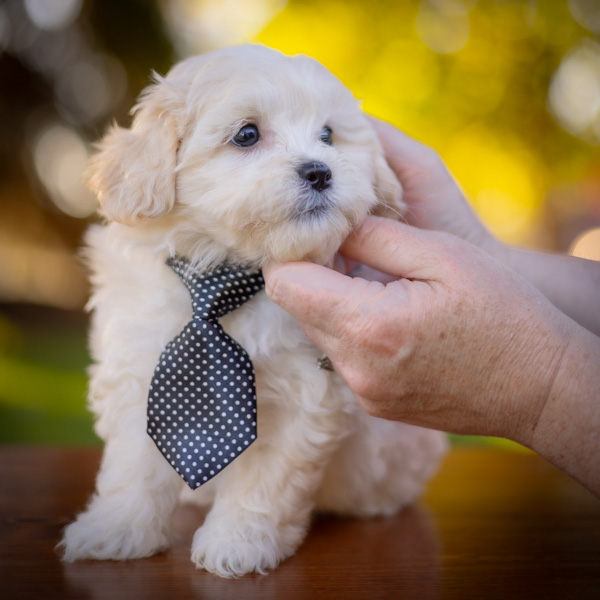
(317, 174)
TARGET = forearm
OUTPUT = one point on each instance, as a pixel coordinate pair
(567, 432)
(571, 284)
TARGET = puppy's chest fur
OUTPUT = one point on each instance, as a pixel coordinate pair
(140, 305)
(285, 361)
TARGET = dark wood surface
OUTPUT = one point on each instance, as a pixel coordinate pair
(493, 524)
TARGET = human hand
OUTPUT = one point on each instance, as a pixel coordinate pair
(434, 199)
(455, 342)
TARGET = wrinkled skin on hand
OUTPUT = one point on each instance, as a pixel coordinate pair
(451, 342)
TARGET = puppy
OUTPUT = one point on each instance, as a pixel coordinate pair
(237, 157)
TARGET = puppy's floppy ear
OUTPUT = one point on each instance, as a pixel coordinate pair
(387, 188)
(133, 174)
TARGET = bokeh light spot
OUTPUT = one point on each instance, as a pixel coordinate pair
(4, 29)
(587, 245)
(442, 27)
(90, 88)
(53, 14)
(201, 25)
(587, 13)
(574, 95)
(60, 157)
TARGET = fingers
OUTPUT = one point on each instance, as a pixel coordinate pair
(344, 265)
(311, 293)
(320, 296)
(370, 274)
(332, 309)
(393, 248)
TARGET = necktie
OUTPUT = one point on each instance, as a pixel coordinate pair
(202, 400)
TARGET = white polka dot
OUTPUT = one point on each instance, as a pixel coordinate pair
(227, 290)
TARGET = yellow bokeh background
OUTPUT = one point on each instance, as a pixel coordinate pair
(470, 79)
(507, 91)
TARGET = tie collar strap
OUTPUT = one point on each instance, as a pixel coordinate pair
(218, 292)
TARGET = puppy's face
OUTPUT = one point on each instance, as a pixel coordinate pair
(268, 157)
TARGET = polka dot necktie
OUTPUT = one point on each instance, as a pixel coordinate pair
(202, 401)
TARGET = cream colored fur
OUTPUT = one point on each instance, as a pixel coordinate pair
(175, 183)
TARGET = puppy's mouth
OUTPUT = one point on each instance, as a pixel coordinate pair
(313, 206)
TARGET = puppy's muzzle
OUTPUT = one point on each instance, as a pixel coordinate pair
(317, 174)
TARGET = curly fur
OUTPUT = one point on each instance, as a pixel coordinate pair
(175, 183)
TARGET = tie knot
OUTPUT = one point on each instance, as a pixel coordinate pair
(219, 292)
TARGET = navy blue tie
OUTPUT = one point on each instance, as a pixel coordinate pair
(202, 400)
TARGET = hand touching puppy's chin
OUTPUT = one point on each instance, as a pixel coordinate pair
(316, 239)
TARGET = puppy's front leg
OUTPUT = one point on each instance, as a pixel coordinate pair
(263, 506)
(136, 492)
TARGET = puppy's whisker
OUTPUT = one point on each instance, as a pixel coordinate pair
(408, 214)
(400, 215)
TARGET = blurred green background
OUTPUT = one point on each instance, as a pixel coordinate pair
(508, 91)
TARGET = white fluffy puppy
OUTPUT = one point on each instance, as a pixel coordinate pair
(217, 168)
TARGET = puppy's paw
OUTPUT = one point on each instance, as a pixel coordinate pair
(101, 536)
(234, 548)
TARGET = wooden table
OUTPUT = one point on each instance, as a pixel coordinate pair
(494, 524)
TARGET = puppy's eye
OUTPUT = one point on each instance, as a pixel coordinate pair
(325, 135)
(247, 136)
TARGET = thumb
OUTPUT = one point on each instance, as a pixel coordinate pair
(311, 293)
(395, 248)
(317, 295)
